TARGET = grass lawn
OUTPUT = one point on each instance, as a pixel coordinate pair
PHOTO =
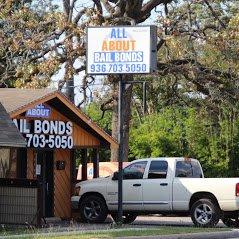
(113, 233)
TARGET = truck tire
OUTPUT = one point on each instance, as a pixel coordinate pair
(231, 221)
(205, 213)
(93, 209)
(127, 217)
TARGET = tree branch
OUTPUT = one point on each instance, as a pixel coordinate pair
(214, 14)
(108, 7)
(98, 5)
(160, 44)
(149, 6)
(79, 15)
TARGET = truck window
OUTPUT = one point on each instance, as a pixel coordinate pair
(197, 171)
(135, 170)
(158, 169)
(188, 169)
(184, 169)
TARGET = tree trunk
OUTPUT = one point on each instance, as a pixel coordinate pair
(69, 69)
(126, 116)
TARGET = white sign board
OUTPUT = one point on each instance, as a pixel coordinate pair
(121, 50)
(46, 133)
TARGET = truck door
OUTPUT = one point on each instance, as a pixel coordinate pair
(132, 188)
(157, 187)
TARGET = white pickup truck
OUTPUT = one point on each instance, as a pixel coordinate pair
(161, 185)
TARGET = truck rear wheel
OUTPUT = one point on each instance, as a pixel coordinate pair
(93, 209)
(231, 221)
(205, 213)
(127, 217)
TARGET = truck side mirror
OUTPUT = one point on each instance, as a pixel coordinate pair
(115, 176)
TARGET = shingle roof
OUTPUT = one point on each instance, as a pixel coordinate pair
(14, 99)
(9, 134)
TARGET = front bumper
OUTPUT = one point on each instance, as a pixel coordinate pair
(75, 202)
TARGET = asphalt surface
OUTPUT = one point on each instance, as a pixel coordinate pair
(57, 228)
(141, 221)
(158, 220)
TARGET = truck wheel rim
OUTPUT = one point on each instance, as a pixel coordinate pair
(92, 210)
(203, 214)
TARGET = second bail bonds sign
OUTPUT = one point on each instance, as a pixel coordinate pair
(121, 50)
(46, 133)
(40, 132)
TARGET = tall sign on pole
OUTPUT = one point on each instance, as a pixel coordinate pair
(121, 50)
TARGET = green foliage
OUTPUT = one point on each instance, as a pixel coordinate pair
(177, 131)
(94, 112)
(193, 101)
(104, 121)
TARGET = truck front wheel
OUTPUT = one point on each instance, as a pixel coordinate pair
(93, 209)
(205, 213)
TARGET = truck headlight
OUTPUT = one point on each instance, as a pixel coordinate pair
(77, 191)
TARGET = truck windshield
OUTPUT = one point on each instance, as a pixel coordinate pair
(188, 169)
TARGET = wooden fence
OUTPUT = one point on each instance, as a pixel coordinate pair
(20, 201)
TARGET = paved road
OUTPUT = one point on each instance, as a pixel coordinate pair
(66, 228)
(163, 220)
(167, 221)
(141, 221)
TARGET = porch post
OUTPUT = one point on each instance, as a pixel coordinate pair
(96, 159)
(84, 164)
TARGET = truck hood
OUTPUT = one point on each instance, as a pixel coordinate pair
(94, 180)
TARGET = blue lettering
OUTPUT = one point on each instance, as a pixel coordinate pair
(113, 56)
(124, 33)
(113, 33)
(101, 57)
(108, 57)
(39, 111)
(118, 33)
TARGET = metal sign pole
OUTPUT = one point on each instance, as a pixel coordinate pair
(106, 55)
(121, 153)
(144, 97)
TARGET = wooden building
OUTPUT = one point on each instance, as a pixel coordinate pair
(53, 128)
